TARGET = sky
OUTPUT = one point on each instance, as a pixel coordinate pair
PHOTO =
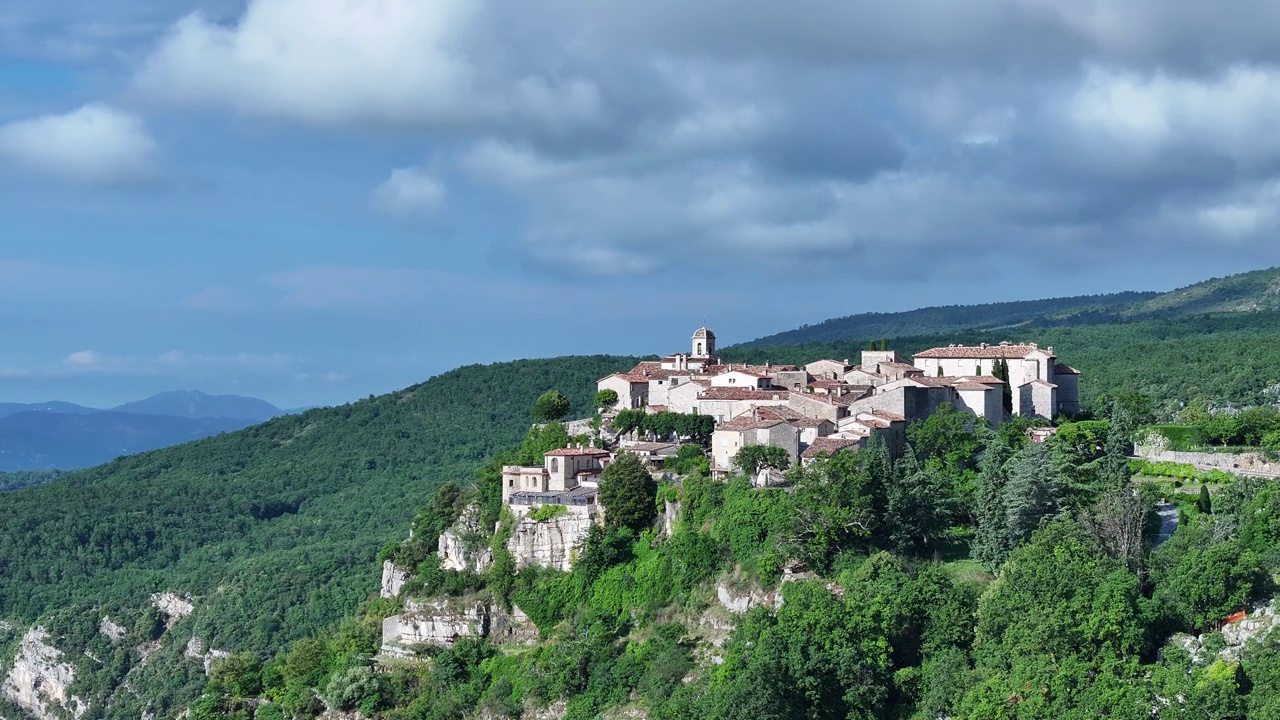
(310, 201)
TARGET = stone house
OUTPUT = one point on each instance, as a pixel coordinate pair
(652, 453)
(828, 369)
(742, 379)
(731, 436)
(632, 389)
(828, 446)
(568, 476)
(727, 403)
(1033, 374)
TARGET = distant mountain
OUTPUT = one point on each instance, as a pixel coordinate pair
(52, 406)
(1257, 291)
(40, 440)
(193, 404)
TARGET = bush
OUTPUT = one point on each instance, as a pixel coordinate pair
(543, 513)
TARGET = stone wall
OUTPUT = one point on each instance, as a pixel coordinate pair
(1239, 463)
(441, 622)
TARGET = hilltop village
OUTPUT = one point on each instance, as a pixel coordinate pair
(823, 408)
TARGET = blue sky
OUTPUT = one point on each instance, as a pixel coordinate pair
(314, 200)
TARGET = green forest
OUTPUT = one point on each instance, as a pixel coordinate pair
(274, 528)
(980, 576)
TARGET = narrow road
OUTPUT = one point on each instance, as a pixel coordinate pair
(1168, 513)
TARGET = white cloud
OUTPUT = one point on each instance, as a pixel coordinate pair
(1232, 115)
(408, 191)
(94, 145)
(353, 61)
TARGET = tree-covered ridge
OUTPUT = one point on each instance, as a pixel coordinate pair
(1256, 291)
(274, 528)
(22, 478)
(955, 318)
(1225, 359)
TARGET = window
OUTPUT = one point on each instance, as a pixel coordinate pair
(555, 464)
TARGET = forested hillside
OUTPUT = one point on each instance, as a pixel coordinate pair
(274, 527)
(1251, 292)
(956, 318)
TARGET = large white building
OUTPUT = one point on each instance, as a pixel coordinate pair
(1041, 386)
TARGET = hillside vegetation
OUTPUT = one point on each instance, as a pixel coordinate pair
(1251, 292)
(274, 527)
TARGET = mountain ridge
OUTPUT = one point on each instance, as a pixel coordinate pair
(1248, 292)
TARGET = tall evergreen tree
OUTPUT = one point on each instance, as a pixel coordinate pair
(920, 508)
(1033, 493)
(989, 542)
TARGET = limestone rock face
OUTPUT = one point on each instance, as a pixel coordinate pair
(442, 621)
(196, 650)
(466, 533)
(438, 622)
(39, 681)
(174, 606)
(550, 543)
(393, 579)
(1256, 624)
(671, 513)
(112, 629)
(741, 601)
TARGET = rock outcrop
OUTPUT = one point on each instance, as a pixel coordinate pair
(1256, 624)
(197, 651)
(741, 601)
(175, 607)
(463, 546)
(441, 622)
(112, 630)
(393, 579)
(550, 543)
(39, 680)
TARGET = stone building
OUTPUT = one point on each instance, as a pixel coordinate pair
(731, 436)
(1037, 387)
(568, 476)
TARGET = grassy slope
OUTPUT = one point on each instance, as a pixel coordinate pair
(276, 525)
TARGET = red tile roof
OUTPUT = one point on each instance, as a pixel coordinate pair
(891, 417)
(747, 422)
(830, 446)
(1061, 369)
(730, 393)
(978, 352)
(571, 452)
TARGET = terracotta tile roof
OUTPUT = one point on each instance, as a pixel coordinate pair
(984, 379)
(654, 409)
(830, 446)
(747, 422)
(904, 367)
(648, 446)
(932, 381)
(891, 417)
(572, 452)
(973, 386)
(1041, 383)
(633, 378)
(807, 422)
(778, 412)
(730, 393)
(1061, 369)
(979, 352)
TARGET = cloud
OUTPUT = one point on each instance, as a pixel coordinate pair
(408, 191)
(94, 145)
(337, 62)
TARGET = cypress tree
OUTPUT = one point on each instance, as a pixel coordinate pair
(1204, 503)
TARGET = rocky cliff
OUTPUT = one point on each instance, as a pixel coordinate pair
(549, 543)
(443, 621)
(40, 680)
(465, 547)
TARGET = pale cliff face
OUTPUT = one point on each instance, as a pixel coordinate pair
(39, 680)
